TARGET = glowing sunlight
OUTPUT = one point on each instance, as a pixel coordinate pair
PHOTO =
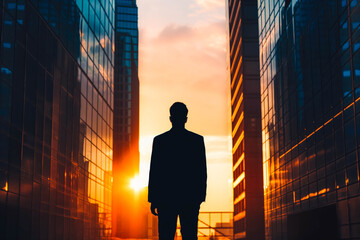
(138, 183)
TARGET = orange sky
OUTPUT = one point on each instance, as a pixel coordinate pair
(182, 57)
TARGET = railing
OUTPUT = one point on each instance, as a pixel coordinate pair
(211, 225)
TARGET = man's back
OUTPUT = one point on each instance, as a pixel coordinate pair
(178, 168)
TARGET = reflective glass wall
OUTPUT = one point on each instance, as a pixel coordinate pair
(310, 89)
(126, 223)
(56, 114)
(126, 77)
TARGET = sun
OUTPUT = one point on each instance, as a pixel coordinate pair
(137, 183)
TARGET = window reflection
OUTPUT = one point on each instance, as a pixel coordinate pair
(63, 112)
(308, 66)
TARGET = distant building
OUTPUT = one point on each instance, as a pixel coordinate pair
(246, 120)
(310, 89)
(126, 118)
(56, 107)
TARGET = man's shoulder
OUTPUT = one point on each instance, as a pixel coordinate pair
(194, 135)
(162, 136)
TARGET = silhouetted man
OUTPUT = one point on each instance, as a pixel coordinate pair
(177, 182)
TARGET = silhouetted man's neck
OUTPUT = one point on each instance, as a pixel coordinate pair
(177, 128)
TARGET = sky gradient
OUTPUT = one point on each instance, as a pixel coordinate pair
(182, 57)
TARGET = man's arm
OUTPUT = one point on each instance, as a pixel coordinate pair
(153, 177)
(203, 171)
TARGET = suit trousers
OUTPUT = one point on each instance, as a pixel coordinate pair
(188, 215)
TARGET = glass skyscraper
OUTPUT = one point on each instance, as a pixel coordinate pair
(310, 89)
(246, 120)
(126, 118)
(56, 118)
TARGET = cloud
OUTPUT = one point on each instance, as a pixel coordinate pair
(188, 64)
(210, 4)
(211, 35)
(174, 32)
(208, 9)
(181, 46)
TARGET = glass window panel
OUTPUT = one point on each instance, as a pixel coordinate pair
(356, 63)
(350, 136)
(352, 174)
(354, 209)
(13, 180)
(83, 105)
(340, 178)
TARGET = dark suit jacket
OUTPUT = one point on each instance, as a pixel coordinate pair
(178, 169)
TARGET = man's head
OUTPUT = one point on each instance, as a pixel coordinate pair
(178, 114)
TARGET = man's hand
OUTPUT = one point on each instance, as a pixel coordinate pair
(154, 208)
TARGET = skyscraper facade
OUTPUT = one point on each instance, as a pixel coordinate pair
(310, 89)
(56, 118)
(126, 117)
(246, 120)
